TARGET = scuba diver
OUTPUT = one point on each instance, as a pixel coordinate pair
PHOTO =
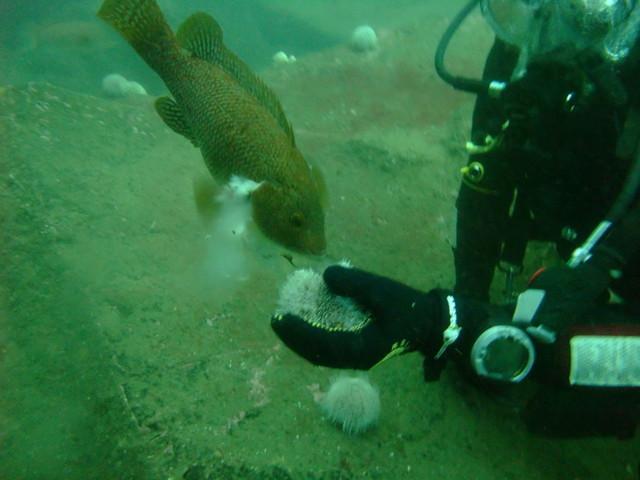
(553, 157)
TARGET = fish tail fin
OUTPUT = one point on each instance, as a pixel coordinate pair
(143, 25)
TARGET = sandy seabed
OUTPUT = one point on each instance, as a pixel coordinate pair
(120, 359)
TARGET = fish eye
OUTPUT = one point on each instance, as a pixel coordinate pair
(296, 219)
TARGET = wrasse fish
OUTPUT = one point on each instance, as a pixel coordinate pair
(224, 109)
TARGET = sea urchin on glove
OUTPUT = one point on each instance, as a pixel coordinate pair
(318, 325)
(349, 318)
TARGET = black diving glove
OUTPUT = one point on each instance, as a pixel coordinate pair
(399, 319)
(571, 293)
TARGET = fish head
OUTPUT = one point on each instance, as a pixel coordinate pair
(290, 216)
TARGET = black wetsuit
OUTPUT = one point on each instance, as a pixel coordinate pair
(567, 166)
(562, 161)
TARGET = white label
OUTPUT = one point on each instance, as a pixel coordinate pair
(527, 306)
(605, 361)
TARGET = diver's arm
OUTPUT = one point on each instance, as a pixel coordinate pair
(401, 319)
(483, 201)
(444, 327)
(570, 294)
(438, 324)
(481, 223)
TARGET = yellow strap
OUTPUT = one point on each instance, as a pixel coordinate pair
(398, 348)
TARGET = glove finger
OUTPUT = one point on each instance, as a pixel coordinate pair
(382, 297)
(359, 349)
(363, 287)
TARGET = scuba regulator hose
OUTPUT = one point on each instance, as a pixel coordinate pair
(620, 206)
(628, 193)
(459, 83)
(494, 88)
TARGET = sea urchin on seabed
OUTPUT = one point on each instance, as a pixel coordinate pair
(353, 403)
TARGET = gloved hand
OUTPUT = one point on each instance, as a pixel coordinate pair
(402, 319)
(570, 293)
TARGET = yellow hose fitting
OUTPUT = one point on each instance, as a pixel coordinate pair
(474, 172)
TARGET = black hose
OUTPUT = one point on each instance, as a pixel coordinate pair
(620, 207)
(459, 83)
(628, 193)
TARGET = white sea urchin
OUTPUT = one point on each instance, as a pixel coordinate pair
(353, 403)
(305, 294)
(364, 39)
(116, 86)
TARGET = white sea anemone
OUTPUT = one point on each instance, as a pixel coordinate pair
(112, 84)
(134, 88)
(282, 58)
(353, 403)
(116, 86)
(364, 39)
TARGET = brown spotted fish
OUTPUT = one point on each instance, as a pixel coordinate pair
(224, 109)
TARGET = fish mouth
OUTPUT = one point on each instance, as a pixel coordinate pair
(316, 247)
(312, 247)
(316, 250)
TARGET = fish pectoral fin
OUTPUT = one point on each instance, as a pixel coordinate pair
(210, 195)
(201, 35)
(321, 185)
(172, 116)
(205, 191)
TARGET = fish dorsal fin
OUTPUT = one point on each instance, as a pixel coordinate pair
(172, 116)
(201, 35)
